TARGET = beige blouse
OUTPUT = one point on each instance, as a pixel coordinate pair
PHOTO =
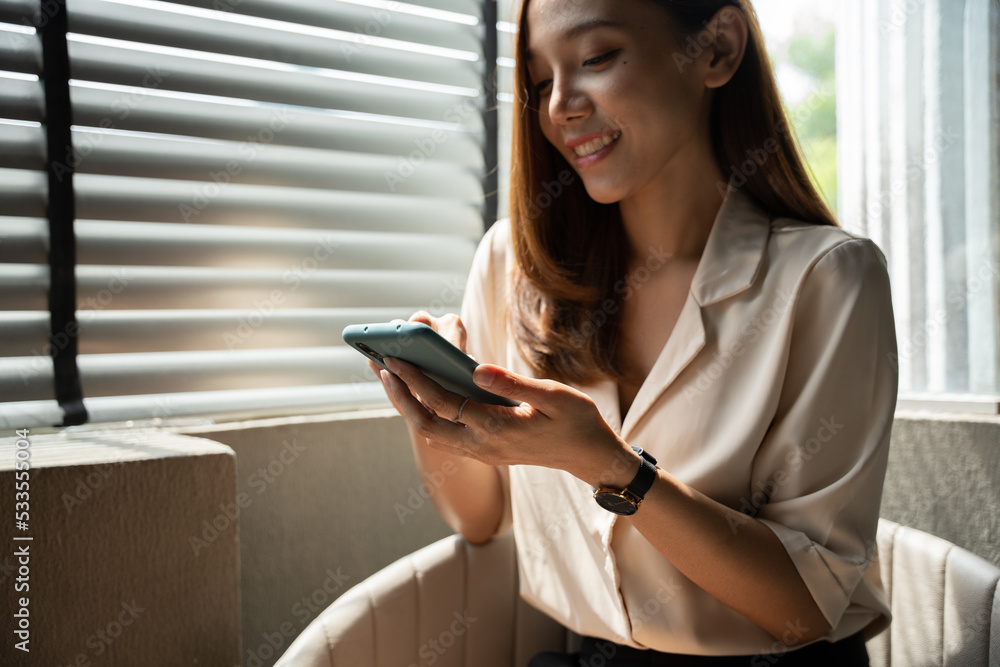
(774, 394)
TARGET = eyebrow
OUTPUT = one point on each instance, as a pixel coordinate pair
(580, 29)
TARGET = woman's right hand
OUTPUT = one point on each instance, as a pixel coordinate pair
(449, 326)
(468, 494)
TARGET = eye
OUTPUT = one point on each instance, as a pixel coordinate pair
(601, 59)
(541, 86)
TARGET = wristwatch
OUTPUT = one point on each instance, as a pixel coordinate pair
(626, 501)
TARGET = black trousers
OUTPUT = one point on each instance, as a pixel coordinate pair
(848, 652)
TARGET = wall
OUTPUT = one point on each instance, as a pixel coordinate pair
(944, 478)
(328, 500)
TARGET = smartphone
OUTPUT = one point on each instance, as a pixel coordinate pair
(426, 349)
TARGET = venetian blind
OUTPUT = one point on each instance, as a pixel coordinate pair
(251, 176)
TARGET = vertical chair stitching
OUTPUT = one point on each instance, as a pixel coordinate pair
(944, 599)
(328, 636)
(516, 628)
(418, 584)
(465, 599)
(894, 531)
(989, 625)
(371, 610)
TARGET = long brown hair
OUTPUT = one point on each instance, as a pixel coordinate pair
(570, 250)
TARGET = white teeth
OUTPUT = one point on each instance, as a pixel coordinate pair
(591, 147)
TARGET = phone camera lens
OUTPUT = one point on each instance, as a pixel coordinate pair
(370, 352)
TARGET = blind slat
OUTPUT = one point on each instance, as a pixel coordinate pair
(220, 32)
(126, 154)
(99, 59)
(25, 333)
(430, 19)
(28, 378)
(21, 100)
(23, 192)
(124, 198)
(213, 117)
(136, 243)
(19, 51)
(140, 287)
(238, 404)
(143, 109)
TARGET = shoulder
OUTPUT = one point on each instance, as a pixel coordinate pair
(494, 248)
(810, 252)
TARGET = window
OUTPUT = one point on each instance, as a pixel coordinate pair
(919, 124)
(250, 177)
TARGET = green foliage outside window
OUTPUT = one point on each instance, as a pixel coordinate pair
(815, 117)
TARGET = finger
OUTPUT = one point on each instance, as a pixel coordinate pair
(435, 397)
(383, 377)
(424, 317)
(452, 327)
(541, 394)
(426, 423)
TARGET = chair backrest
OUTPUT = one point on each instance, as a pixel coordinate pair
(945, 603)
(449, 604)
(456, 605)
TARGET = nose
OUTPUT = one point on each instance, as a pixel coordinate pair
(567, 102)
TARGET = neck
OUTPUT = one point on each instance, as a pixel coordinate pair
(675, 212)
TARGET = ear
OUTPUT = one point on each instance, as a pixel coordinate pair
(730, 33)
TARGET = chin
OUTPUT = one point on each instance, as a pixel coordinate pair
(603, 194)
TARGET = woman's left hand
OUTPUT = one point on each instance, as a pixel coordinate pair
(555, 426)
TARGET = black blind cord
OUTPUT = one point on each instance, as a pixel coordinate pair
(63, 328)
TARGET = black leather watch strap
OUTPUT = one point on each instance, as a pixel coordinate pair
(645, 477)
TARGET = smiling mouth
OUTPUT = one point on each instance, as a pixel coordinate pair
(591, 147)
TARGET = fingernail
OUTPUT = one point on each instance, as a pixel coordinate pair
(483, 376)
(391, 364)
(384, 377)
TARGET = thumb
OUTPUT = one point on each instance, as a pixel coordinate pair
(503, 382)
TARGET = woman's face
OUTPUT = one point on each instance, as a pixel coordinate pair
(618, 98)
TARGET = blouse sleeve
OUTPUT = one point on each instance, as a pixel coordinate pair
(817, 478)
(483, 317)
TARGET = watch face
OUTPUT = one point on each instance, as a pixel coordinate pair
(616, 503)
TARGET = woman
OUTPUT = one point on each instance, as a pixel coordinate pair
(669, 282)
